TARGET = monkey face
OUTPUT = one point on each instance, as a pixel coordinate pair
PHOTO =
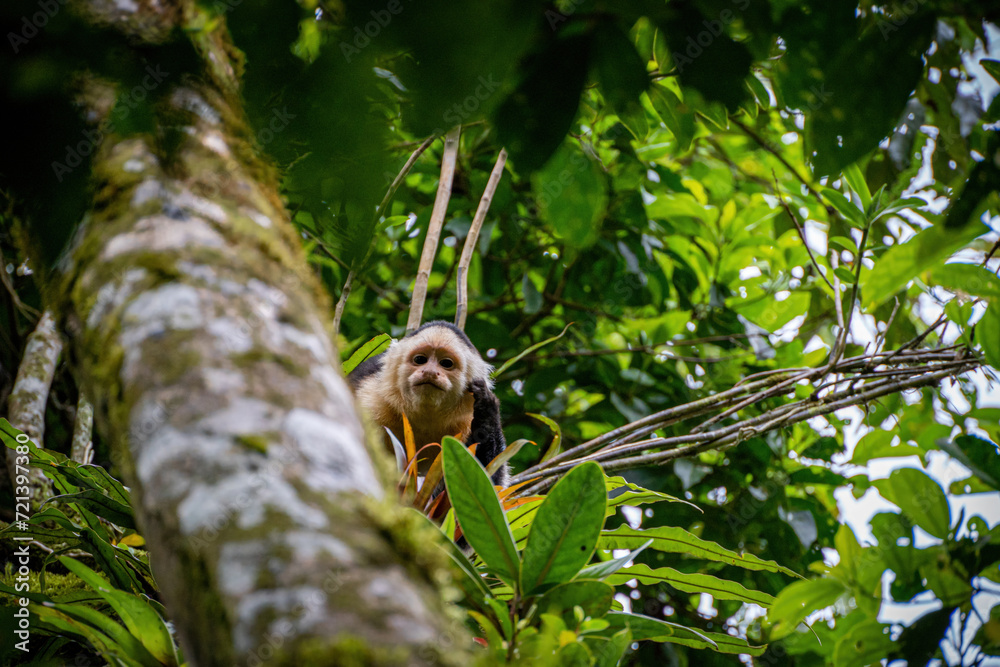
(433, 374)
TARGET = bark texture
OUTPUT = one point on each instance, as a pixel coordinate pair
(199, 331)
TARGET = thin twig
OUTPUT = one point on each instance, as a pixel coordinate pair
(462, 284)
(434, 228)
(801, 231)
(770, 149)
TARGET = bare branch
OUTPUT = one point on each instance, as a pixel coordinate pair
(434, 228)
(871, 377)
(461, 310)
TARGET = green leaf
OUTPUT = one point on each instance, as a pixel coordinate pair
(764, 311)
(565, 530)
(633, 495)
(57, 622)
(610, 653)
(620, 71)
(970, 279)
(573, 654)
(991, 66)
(720, 589)
(867, 643)
(845, 275)
(645, 628)
(472, 583)
(800, 599)
(978, 455)
(510, 362)
(571, 193)
(921, 498)
(103, 506)
(988, 333)
(860, 104)
(854, 178)
(851, 213)
(705, 57)
(670, 539)
(609, 567)
(131, 646)
(594, 597)
(900, 205)
(478, 510)
(372, 348)
(678, 118)
(532, 297)
(553, 81)
(139, 617)
(903, 262)
(556, 434)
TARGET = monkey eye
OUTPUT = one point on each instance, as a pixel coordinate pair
(447, 363)
(420, 360)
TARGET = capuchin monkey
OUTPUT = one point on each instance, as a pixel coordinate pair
(436, 377)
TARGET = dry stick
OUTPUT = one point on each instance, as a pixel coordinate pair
(732, 435)
(349, 282)
(462, 282)
(434, 228)
(691, 409)
(778, 385)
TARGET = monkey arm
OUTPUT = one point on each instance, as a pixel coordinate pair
(486, 429)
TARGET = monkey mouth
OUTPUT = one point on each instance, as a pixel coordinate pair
(428, 383)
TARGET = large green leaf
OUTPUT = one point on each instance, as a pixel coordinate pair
(553, 80)
(671, 539)
(970, 279)
(706, 58)
(865, 644)
(920, 497)
(861, 104)
(678, 118)
(138, 615)
(594, 597)
(902, 263)
(721, 589)
(478, 510)
(131, 647)
(103, 506)
(565, 530)
(645, 628)
(800, 599)
(571, 194)
(978, 455)
(988, 334)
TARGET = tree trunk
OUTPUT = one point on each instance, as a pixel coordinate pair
(199, 333)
